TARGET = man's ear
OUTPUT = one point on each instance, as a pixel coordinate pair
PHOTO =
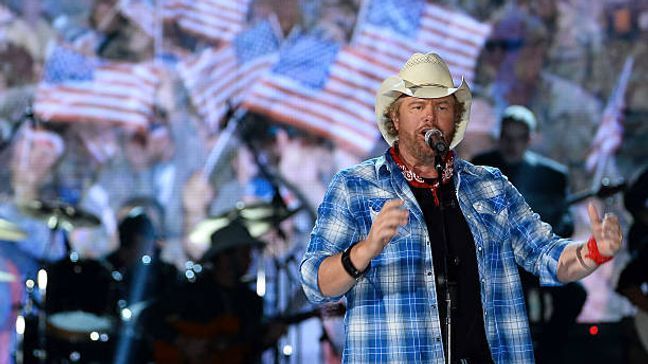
(394, 117)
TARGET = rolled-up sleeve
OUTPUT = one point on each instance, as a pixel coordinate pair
(537, 248)
(334, 231)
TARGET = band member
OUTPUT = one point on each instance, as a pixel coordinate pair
(543, 184)
(219, 318)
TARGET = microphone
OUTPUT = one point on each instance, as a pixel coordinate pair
(434, 139)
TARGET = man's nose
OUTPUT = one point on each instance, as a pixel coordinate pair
(428, 112)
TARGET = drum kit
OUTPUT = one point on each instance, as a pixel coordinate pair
(72, 310)
(68, 312)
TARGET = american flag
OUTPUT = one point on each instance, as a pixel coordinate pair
(76, 87)
(609, 135)
(144, 13)
(391, 30)
(330, 90)
(218, 78)
(313, 87)
(216, 20)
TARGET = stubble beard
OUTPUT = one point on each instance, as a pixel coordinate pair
(417, 149)
(421, 151)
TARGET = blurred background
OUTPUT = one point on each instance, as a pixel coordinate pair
(130, 131)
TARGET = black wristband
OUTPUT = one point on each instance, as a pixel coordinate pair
(348, 265)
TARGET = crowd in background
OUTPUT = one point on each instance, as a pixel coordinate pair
(562, 59)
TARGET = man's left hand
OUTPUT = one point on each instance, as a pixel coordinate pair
(607, 232)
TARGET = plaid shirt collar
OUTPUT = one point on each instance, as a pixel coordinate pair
(386, 166)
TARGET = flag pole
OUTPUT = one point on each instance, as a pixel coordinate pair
(613, 108)
(158, 32)
(109, 16)
(222, 141)
(364, 5)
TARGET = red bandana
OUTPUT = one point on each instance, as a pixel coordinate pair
(414, 180)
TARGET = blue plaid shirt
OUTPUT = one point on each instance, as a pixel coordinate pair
(392, 311)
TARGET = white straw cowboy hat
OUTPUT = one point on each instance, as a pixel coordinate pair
(424, 76)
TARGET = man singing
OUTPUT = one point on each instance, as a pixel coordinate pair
(408, 234)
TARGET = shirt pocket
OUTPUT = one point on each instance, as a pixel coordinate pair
(376, 205)
(365, 211)
(494, 217)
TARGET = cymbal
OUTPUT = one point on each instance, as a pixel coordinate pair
(58, 213)
(264, 212)
(10, 231)
(6, 277)
(258, 218)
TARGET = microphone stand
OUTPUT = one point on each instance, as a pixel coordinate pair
(284, 295)
(439, 166)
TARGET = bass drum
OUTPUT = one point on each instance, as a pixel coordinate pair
(80, 311)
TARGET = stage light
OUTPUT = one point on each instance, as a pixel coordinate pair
(190, 275)
(593, 330)
(287, 350)
(126, 314)
(261, 282)
(42, 279)
(20, 325)
(117, 276)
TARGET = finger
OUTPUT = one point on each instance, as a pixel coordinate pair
(388, 230)
(611, 218)
(388, 227)
(395, 218)
(405, 218)
(391, 220)
(594, 216)
(392, 204)
(609, 221)
(611, 226)
(393, 210)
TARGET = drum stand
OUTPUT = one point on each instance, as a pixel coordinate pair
(33, 309)
(27, 314)
(287, 287)
(35, 304)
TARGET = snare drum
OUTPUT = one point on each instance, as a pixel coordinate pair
(79, 317)
(80, 301)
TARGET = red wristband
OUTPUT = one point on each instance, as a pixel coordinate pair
(594, 254)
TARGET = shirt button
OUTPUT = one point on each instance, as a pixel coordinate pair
(429, 273)
(433, 306)
(479, 248)
(483, 280)
(437, 339)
